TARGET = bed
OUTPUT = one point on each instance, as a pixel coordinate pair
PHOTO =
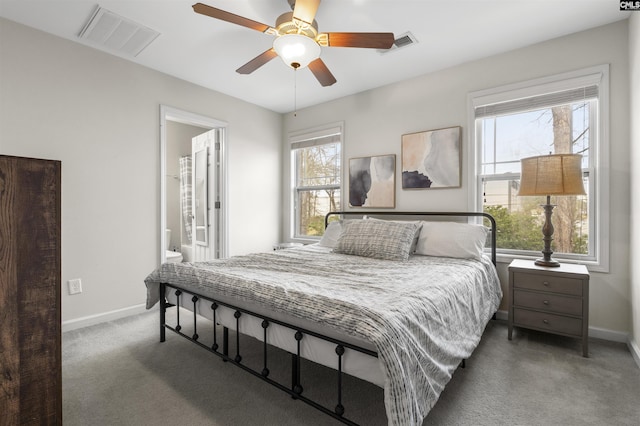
(399, 299)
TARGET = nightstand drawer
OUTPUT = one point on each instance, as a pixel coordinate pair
(548, 302)
(548, 322)
(548, 283)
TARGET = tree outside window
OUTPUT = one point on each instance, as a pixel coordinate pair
(318, 173)
(508, 137)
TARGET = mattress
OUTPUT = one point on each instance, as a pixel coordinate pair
(422, 316)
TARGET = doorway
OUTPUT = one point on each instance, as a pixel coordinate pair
(182, 135)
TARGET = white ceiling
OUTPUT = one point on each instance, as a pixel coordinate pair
(206, 51)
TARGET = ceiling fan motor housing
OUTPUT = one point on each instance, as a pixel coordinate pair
(287, 24)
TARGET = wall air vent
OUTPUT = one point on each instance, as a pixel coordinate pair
(404, 40)
(111, 31)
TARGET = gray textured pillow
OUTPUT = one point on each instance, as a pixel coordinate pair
(414, 244)
(377, 239)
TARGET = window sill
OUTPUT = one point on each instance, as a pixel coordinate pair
(304, 240)
(592, 265)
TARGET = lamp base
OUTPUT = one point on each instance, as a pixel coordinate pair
(547, 232)
(547, 262)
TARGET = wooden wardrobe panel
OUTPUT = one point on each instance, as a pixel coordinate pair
(9, 343)
(30, 286)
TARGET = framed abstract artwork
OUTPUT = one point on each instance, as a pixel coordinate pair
(372, 181)
(432, 159)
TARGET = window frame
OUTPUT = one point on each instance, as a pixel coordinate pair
(296, 139)
(598, 168)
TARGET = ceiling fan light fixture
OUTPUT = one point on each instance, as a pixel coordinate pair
(296, 50)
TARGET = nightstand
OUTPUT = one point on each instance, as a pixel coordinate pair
(554, 300)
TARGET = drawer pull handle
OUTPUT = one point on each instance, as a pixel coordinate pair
(545, 302)
(545, 283)
(545, 321)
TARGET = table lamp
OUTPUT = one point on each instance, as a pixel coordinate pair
(554, 174)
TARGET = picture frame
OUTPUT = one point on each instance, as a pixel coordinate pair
(432, 159)
(372, 181)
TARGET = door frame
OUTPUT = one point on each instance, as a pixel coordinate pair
(168, 113)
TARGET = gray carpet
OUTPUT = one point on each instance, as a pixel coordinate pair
(117, 373)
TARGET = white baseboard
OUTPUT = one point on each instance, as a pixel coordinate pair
(595, 332)
(103, 317)
(611, 335)
(635, 351)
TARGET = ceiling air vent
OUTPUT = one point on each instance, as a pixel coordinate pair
(404, 40)
(111, 31)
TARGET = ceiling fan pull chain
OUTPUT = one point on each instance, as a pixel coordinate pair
(295, 89)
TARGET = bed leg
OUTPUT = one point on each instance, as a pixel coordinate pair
(295, 367)
(225, 342)
(163, 311)
(463, 363)
(339, 410)
(294, 373)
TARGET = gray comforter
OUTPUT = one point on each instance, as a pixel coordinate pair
(424, 315)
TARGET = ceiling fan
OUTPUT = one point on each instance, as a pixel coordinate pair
(297, 38)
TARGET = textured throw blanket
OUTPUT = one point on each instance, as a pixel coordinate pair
(424, 315)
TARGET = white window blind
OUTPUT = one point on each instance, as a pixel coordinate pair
(537, 102)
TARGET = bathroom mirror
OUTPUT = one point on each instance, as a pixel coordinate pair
(200, 191)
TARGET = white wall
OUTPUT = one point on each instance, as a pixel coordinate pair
(376, 119)
(634, 74)
(99, 115)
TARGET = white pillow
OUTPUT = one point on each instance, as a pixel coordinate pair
(451, 239)
(331, 234)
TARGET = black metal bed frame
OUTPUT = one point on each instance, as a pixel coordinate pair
(295, 388)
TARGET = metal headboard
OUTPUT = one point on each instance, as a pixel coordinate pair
(419, 214)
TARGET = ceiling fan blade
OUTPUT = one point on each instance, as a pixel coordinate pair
(207, 10)
(305, 10)
(366, 40)
(257, 62)
(322, 73)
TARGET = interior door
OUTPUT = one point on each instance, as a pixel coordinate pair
(173, 190)
(203, 187)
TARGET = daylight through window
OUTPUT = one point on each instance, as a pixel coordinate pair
(565, 120)
(316, 161)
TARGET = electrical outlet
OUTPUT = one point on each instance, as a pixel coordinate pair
(75, 286)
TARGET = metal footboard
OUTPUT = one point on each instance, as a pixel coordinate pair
(295, 388)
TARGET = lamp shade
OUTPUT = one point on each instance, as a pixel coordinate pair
(556, 174)
(296, 50)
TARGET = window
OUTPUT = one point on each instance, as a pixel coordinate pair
(316, 159)
(561, 114)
